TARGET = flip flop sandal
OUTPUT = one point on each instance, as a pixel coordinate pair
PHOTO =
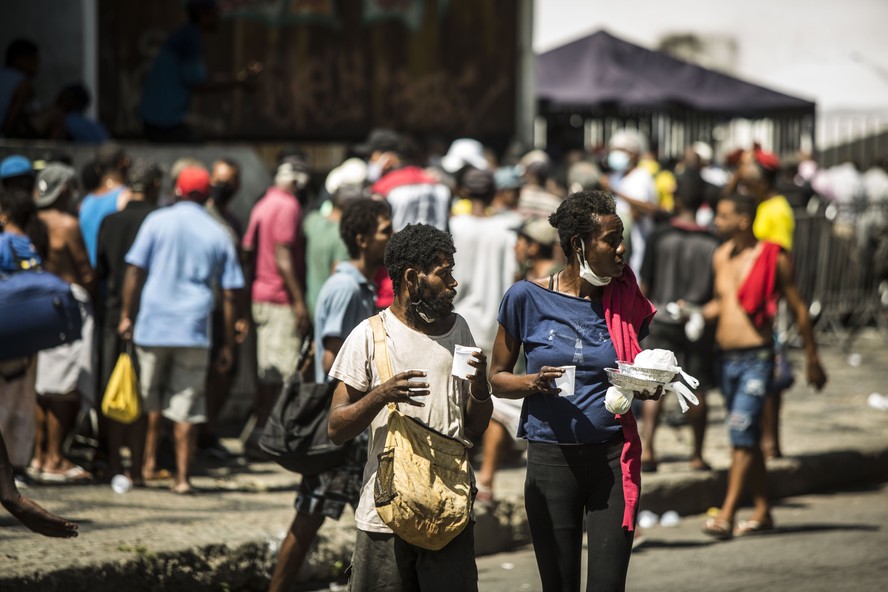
(75, 474)
(718, 529)
(750, 527)
(159, 475)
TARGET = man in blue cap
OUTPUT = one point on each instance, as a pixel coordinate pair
(17, 171)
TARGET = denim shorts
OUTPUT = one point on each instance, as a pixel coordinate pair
(746, 378)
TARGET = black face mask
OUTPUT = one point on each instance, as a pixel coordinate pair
(223, 192)
(430, 307)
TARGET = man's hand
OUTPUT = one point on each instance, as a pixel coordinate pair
(241, 330)
(478, 361)
(480, 390)
(646, 395)
(815, 374)
(248, 77)
(301, 313)
(400, 389)
(542, 381)
(224, 359)
(125, 329)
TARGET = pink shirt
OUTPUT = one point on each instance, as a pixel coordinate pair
(276, 219)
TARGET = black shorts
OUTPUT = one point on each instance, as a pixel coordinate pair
(386, 563)
(327, 494)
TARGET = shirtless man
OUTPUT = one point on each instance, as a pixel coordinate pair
(64, 373)
(746, 344)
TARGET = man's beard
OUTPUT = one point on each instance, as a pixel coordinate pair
(430, 307)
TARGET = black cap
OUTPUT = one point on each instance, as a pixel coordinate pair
(379, 140)
(478, 183)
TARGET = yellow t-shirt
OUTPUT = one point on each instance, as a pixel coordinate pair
(774, 222)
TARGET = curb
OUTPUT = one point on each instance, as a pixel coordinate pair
(804, 474)
(499, 527)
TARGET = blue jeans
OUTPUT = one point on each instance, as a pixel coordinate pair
(746, 378)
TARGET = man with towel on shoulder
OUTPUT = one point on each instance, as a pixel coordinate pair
(750, 276)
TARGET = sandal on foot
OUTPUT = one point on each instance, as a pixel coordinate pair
(648, 466)
(700, 465)
(718, 529)
(158, 475)
(748, 527)
(182, 489)
(75, 474)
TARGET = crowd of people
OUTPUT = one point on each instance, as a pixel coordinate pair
(539, 265)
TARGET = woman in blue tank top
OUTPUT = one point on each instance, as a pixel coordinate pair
(574, 449)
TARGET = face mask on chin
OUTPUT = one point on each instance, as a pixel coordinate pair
(374, 172)
(429, 308)
(586, 272)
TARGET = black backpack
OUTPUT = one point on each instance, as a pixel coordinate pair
(295, 434)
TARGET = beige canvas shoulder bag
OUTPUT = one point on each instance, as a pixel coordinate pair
(423, 483)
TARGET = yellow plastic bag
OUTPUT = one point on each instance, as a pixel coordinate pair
(121, 401)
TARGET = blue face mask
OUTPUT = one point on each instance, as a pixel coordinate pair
(618, 160)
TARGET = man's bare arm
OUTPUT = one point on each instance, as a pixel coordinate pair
(786, 284)
(351, 410)
(133, 280)
(80, 259)
(283, 257)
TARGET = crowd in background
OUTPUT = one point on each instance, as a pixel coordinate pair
(181, 282)
(83, 225)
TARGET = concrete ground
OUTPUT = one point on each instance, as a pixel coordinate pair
(226, 536)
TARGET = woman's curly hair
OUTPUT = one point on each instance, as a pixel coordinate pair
(578, 215)
(419, 246)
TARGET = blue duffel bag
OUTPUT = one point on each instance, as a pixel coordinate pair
(37, 311)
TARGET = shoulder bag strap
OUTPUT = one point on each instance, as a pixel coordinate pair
(380, 353)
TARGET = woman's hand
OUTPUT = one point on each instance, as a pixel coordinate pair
(542, 381)
(646, 395)
(400, 389)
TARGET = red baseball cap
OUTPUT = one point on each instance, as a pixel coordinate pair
(767, 159)
(193, 180)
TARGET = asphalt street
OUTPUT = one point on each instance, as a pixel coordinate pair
(827, 542)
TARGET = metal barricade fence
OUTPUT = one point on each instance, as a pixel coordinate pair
(840, 255)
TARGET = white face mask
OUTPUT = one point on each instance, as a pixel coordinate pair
(618, 160)
(374, 172)
(586, 272)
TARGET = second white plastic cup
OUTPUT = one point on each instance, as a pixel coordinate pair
(419, 378)
(566, 381)
(461, 356)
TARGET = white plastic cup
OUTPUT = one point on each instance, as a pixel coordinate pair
(418, 379)
(121, 484)
(461, 356)
(670, 519)
(647, 519)
(565, 382)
